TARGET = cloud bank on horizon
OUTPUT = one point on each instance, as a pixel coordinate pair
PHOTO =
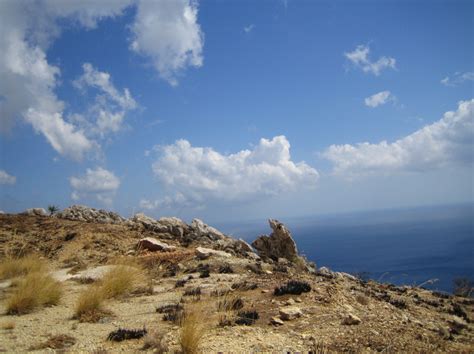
(90, 111)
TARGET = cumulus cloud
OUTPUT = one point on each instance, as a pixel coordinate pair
(6, 178)
(448, 141)
(360, 58)
(167, 32)
(176, 201)
(379, 99)
(97, 183)
(28, 80)
(111, 105)
(458, 78)
(199, 173)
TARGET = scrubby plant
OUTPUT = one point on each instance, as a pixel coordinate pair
(294, 287)
(226, 269)
(18, 266)
(34, 290)
(122, 334)
(53, 209)
(247, 318)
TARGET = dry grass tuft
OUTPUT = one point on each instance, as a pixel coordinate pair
(34, 290)
(12, 267)
(89, 306)
(122, 280)
(192, 330)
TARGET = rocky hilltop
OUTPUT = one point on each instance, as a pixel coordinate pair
(258, 297)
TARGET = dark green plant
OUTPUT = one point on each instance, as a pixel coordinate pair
(53, 209)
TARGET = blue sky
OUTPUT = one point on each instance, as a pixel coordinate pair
(160, 106)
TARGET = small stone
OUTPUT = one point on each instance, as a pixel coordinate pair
(276, 321)
(290, 302)
(351, 319)
(298, 300)
(290, 313)
(265, 291)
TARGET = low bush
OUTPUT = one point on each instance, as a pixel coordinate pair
(294, 287)
(246, 318)
(122, 334)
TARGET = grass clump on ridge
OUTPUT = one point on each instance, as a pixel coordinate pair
(33, 291)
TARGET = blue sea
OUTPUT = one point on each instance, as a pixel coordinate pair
(427, 246)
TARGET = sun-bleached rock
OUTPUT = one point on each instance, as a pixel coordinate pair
(351, 319)
(153, 245)
(203, 253)
(84, 213)
(36, 212)
(290, 313)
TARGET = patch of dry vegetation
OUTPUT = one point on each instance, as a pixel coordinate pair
(154, 341)
(34, 290)
(192, 330)
(59, 341)
(89, 305)
(12, 267)
(119, 281)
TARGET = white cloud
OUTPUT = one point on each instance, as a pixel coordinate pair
(378, 99)
(199, 173)
(99, 183)
(168, 33)
(449, 141)
(110, 105)
(5, 178)
(176, 201)
(28, 80)
(249, 28)
(360, 58)
(458, 78)
(102, 81)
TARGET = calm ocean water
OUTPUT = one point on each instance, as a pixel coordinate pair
(409, 246)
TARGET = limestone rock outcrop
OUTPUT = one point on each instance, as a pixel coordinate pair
(83, 213)
(279, 244)
(36, 212)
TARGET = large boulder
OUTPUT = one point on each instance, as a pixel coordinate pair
(35, 212)
(279, 244)
(84, 213)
